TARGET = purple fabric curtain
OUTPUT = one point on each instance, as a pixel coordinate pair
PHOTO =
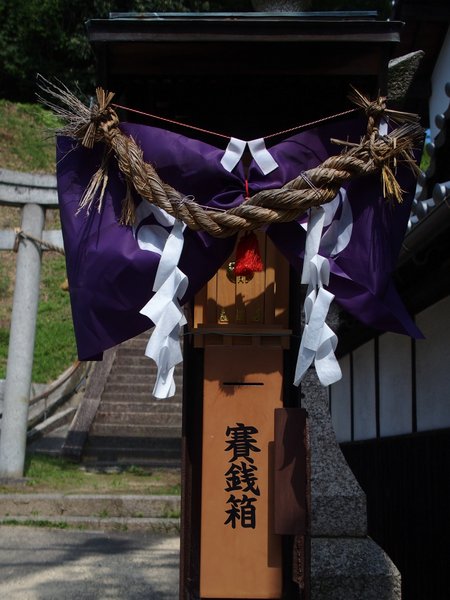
(111, 278)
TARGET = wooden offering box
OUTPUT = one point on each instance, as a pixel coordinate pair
(241, 311)
(242, 324)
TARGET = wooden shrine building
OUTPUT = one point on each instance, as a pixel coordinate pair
(242, 75)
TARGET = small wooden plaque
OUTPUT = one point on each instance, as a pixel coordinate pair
(240, 553)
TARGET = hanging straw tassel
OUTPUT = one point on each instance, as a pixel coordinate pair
(95, 190)
(376, 108)
(128, 208)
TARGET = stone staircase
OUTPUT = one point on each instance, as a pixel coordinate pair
(131, 427)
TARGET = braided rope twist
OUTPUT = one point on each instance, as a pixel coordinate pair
(23, 235)
(314, 187)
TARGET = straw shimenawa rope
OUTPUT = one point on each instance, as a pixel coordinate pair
(23, 235)
(314, 187)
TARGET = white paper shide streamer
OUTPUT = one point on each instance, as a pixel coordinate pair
(319, 342)
(170, 285)
(258, 150)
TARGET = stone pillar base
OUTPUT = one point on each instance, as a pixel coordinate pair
(345, 563)
(352, 569)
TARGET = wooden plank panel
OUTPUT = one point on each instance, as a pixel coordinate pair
(226, 298)
(282, 291)
(290, 480)
(270, 264)
(211, 305)
(199, 307)
(241, 391)
(251, 292)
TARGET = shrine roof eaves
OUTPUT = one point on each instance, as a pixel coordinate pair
(252, 29)
(430, 212)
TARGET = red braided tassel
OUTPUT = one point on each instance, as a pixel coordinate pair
(248, 258)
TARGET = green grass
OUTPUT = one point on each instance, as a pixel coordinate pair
(6, 290)
(55, 346)
(4, 341)
(54, 472)
(172, 514)
(26, 144)
(58, 475)
(425, 160)
(36, 523)
(26, 139)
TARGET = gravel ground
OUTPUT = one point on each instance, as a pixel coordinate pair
(47, 564)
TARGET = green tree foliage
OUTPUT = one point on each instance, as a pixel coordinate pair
(383, 7)
(44, 36)
(49, 37)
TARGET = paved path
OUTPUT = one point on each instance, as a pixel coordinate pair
(49, 564)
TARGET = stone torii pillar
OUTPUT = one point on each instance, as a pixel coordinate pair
(21, 346)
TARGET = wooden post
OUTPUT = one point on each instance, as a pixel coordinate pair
(240, 331)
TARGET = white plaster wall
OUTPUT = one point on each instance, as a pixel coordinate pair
(439, 101)
(395, 380)
(364, 414)
(433, 367)
(341, 403)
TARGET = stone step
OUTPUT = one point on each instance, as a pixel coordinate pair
(89, 505)
(136, 358)
(142, 363)
(133, 361)
(140, 388)
(110, 458)
(151, 458)
(127, 396)
(49, 444)
(139, 341)
(113, 524)
(138, 431)
(134, 386)
(166, 447)
(150, 407)
(131, 386)
(131, 426)
(151, 452)
(134, 351)
(133, 442)
(131, 379)
(160, 419)
(130, 373)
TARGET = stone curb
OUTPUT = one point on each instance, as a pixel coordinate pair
(117, 524)
(102, 506)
